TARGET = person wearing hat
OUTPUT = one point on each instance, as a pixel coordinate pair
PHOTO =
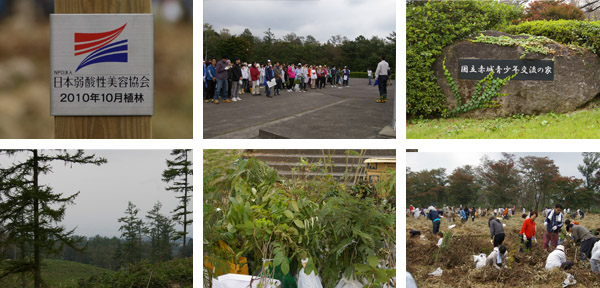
(434, 216)
(497, 258)
(381, 74)
(221, 70)
(558, 259)
(582, 235)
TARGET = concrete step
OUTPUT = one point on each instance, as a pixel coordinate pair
(319, 152)
(295, 159)
(285, 160)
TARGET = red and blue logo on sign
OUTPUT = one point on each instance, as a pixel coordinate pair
(101, 47)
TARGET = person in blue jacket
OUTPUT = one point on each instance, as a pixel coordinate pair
(211, 81)
(435, 219)
(268, 76)
(463, 216)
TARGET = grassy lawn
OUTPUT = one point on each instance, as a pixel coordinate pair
(584, 124)
(58, 273)
(215, 159)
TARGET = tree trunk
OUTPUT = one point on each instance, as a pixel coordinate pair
(185, 208)
(36, 225)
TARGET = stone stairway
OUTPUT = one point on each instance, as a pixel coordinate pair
(286, 160)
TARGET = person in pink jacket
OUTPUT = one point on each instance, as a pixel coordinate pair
(254, 75)
(291, 76)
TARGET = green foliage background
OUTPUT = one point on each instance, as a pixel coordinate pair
(431, 26)
(580, 33)
(358, 54)
(250, 207)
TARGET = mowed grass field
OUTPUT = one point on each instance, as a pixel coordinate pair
(525, 269)
(57, 273)
(583, 124)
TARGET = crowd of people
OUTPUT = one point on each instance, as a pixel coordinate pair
(226, 80)
(554, 221)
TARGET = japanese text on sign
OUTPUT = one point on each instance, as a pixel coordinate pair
(101, 64)
(477, 69)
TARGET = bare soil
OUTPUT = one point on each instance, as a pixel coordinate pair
(525, 269)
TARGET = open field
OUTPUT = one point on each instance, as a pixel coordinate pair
(58, 273)
(473, 238)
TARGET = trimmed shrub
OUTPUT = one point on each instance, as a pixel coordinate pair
(431, 26)
(580, 33)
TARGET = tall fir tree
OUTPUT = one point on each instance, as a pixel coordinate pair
(179, 171)
(160, 230)
(34, 210)
(131, 232)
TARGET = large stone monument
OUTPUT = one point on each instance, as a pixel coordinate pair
(559, 82)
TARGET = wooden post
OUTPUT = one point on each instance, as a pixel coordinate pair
(102, 127)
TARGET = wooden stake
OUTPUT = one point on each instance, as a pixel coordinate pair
(102, 127)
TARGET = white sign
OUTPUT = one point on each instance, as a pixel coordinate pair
(101, 64)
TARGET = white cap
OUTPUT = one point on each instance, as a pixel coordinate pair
(269, 60)
(305, 260)
(560, 247)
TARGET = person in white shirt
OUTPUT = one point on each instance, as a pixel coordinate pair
(370, 74)
(558, 259)
(440, 237)
(498, 258)
(245, 76)
(313, 77)
(595, 258)
(262, 74)
(381, 73)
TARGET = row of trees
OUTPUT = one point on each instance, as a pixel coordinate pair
(359, 54)
(30, 215)
(530, 181)
(558, 9)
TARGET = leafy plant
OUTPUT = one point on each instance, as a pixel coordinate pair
(532, 44)
(581, 33)
(375, 276)
(284, 221)
(486, 91)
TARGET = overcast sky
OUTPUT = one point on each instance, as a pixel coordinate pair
(129, 175)
(321, 18)
(566, 162)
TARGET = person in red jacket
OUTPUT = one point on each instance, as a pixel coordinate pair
(254, 74)
(528, 230)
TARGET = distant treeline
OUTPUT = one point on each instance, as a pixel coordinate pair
(359, 54)
(531, 182)
(104, 252)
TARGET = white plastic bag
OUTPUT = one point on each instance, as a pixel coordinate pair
(297, 87)
(345, 283)
(308, 281)
(569, 281)
(479, 260)
(437, 272)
